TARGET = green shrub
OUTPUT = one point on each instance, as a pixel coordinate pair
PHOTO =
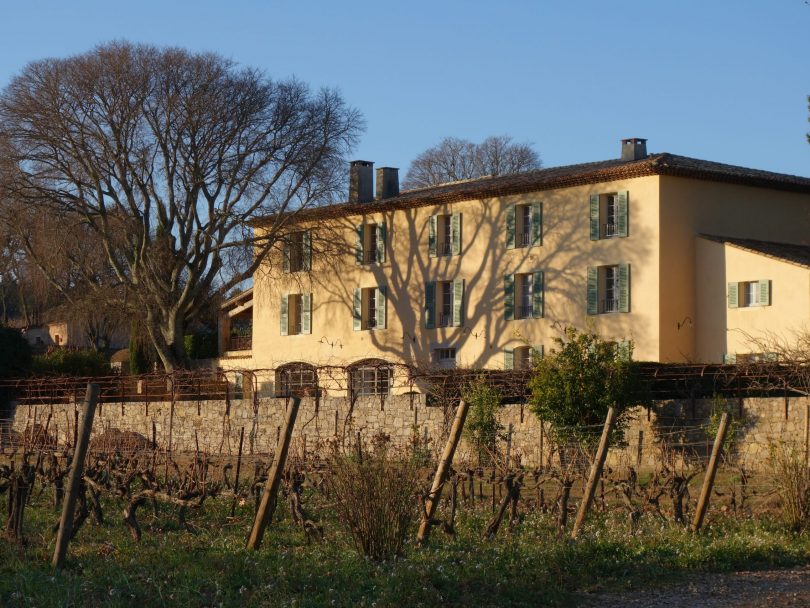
(15, 361)
(583, 376)
(15, 353)
(482, 428)
(201, 345)
(63, 362)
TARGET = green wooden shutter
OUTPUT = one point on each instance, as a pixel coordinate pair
(593, 290)
(357, 310)
(623, 350)
(458, 302)
(730, 358)
(509, 296)
(430, 305)
(284, 314)
(307, 253)
(594, 218)
(537, 224)
(764, 293)
(380, 301)
(622, 224)
(381, 233)
(624, 287)
(306, 313)
(510, 227)
(433, 225)
(538, 294)
(455, 233)
(509, 358)
(538, 352)
(285, 256)
(358, 250)
(733, 295)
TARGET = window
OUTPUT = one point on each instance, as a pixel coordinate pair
(444, 303)
(370, 377)
(370, 246)
(296, 379)
(369, 308)
(445, 357)
(524, 225)
(608, 289)
(524, 296)
(522, 357)
(296, 314)
(746, 294)
(609, 215)
(444, 235)
(297, 252)
(240, 336)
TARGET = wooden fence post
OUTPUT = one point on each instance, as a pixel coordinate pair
(268, 502)
(238, 470)
(806, 435)
(432, 500)
(75, 479)
(711, 471)
(596, 472)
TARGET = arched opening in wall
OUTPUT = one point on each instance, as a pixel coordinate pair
(296, 379)
(370, 377)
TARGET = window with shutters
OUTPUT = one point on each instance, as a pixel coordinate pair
(371, 243)
(296, 314)
(522, 357)
(444, 235)
(444, 303)
(608, 289)
(370, 377)
(297, 252)
(369, 308)
(609, 215)
(524, 295)
(747, 294)
(524, 225)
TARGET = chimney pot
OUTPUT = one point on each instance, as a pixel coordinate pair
(634, 148)
(387, 182)
(361, 177)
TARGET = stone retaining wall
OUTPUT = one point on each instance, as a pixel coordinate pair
(215, 426)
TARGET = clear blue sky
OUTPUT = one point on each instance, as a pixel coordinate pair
(716, 79)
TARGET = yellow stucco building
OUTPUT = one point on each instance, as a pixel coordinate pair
(482, 272)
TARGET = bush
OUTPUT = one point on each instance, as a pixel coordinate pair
(15, 353)
(791, 477)
(575, 385)
(15, 361)
(375, 494)
(63, 362)
(201, 345)
(482, 428)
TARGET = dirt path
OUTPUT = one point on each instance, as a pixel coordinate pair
(771, 588)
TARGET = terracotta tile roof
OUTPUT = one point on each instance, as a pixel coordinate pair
(563, 177)
(788, 252)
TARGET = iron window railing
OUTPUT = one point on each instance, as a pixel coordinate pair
(610, 305)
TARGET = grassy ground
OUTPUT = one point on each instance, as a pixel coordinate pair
(525, 567)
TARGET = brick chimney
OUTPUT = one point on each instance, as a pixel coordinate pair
(634, 148)
(387, 182)
(361, 177)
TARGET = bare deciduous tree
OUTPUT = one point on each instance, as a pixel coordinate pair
(165, 157)
(455, 159)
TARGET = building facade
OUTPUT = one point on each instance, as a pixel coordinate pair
(483, 273)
